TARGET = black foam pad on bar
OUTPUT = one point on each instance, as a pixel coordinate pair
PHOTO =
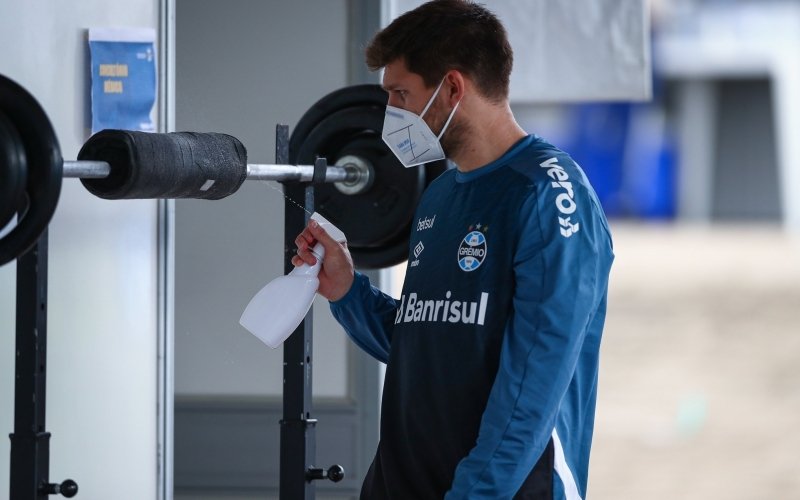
(175, 165)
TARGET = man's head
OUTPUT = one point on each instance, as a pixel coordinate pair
(445, 35)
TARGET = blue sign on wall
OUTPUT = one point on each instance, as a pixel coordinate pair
(123, 79)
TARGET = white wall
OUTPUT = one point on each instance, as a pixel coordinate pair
(102, 323)
(241, 68)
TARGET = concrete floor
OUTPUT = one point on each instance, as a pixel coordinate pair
(700, 375)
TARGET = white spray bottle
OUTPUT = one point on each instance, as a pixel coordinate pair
(276, 310)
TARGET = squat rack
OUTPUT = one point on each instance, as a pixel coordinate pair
(30, 442)
(343, 125)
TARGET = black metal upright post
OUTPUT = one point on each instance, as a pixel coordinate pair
(298, 443)
(30, 444)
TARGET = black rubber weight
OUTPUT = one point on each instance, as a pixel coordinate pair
(376, 217)
(378, 222)
(43, 166)
(347, 97)
(13, 173)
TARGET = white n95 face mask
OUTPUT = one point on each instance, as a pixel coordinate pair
(410, 138)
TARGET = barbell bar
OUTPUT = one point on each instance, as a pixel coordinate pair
(350, 174)
(366, 192)
(126, 164)
(129, 164)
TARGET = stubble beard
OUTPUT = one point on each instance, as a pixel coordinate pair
(454, 138)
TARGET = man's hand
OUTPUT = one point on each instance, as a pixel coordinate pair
(337, 271)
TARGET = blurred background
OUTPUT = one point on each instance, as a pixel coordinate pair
(700, 373)
(700, 367)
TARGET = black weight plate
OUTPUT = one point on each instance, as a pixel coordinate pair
(394, 193)
(375, 241)
(44, 168)
(347, 97)
(376, 222)
(13, 175)
(385, 209)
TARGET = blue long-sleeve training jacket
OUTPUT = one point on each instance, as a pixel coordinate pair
(492, 350)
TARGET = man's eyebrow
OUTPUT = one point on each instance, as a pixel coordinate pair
(390, 86)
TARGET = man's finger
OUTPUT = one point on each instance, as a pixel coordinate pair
(301, 243)
(306, 256)
(319, 233)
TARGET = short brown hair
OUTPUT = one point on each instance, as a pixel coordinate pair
(448, 34)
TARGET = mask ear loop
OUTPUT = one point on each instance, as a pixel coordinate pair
(452, 114)
(430, 101)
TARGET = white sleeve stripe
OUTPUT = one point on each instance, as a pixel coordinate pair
(570, 488)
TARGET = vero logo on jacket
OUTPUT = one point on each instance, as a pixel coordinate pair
(565, 201)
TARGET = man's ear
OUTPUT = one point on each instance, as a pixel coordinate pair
(454, 86)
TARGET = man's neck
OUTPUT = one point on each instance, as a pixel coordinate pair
(488, 137)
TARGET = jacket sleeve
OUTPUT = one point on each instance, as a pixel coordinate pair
(367, 315)
(560, 278)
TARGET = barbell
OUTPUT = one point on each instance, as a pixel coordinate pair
(365, 192)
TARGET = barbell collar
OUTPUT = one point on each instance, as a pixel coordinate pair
(84, 169)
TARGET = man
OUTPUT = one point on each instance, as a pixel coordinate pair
(492, 350)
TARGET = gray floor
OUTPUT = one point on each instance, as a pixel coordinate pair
(700, 377)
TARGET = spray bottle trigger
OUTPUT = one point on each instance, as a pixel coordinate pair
(329, 228)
